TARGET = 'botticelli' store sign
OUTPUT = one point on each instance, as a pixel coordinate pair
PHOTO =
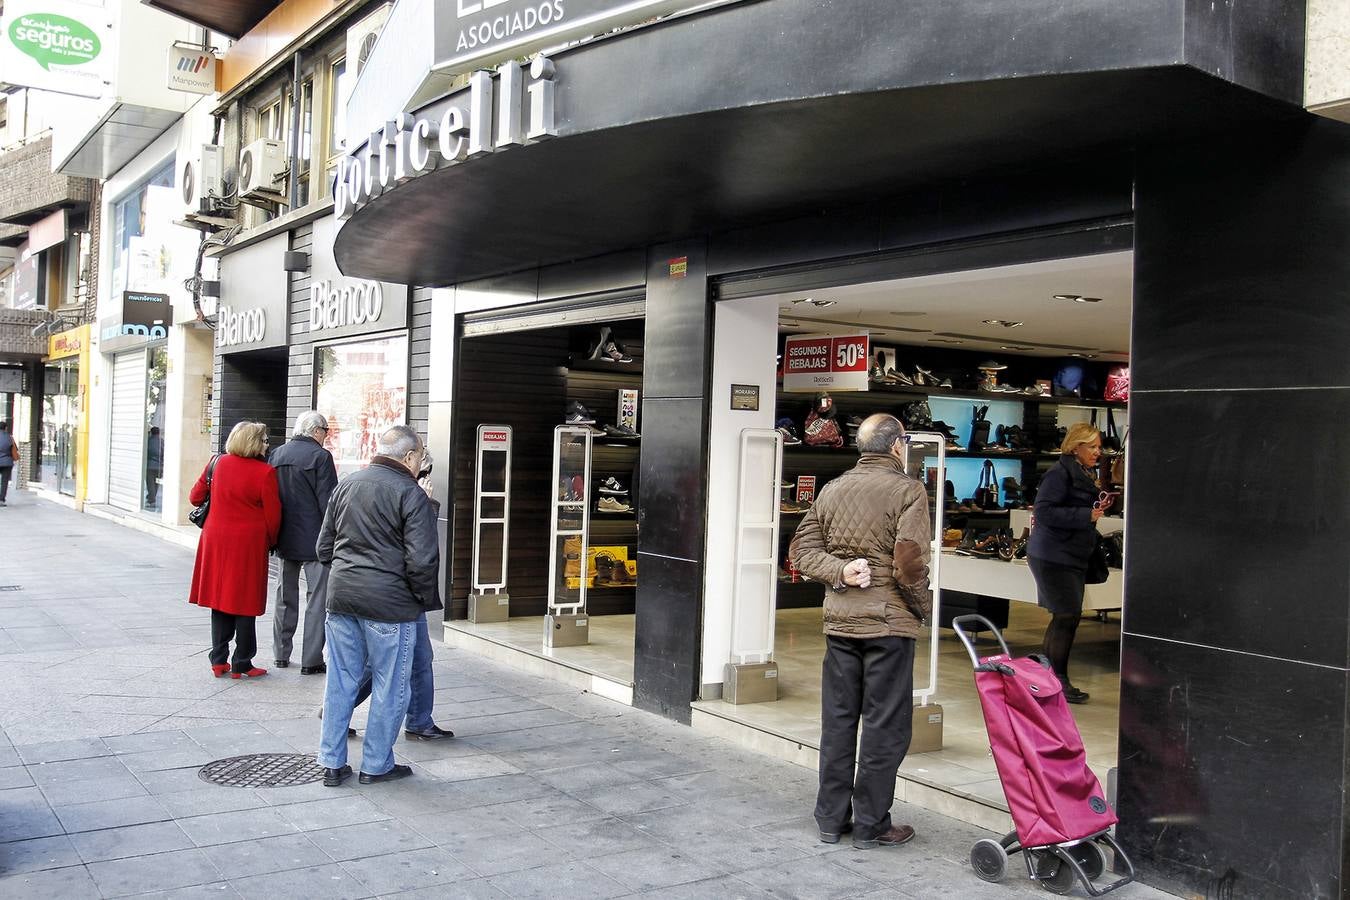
(514, 108)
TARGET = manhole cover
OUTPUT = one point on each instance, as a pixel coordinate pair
(11, 587)
(261, 770)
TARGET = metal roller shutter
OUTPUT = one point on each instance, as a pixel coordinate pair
(589, 311)
(127, 430)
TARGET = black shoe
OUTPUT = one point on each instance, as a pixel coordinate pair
(393, 774)
(281, 663)
(435, 734)
(320, 669)
(335, 777)
(832, 837)
(1074, 695)
(577, 414)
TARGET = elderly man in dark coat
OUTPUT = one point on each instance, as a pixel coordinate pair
(306, 476)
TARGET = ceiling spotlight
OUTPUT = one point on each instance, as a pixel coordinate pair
(1015, 347)
(1083, 355)
(944, 341)
(1006, 323)
(1076, 298)
(819, 304)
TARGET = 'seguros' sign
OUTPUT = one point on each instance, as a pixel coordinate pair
(54, 46)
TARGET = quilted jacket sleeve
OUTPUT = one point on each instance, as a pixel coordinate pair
(810, 555)
(914, 524)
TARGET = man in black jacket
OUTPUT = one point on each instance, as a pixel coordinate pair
(306, 477)
(379, 535)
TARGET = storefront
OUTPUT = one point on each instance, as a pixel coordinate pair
(293, 333)
(65, 417)
(875, 153)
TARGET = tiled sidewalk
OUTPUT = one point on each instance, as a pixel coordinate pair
(108, 710)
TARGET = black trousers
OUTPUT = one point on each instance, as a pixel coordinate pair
(5, 473)
(242, 630)
(871, 679)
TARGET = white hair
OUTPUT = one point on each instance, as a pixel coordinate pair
(308, 421)
(398, 442)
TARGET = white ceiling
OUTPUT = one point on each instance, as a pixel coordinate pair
(936, 310)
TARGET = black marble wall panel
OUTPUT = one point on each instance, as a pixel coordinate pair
(673, 476)
(678, 347)
(1237, 532)
(666, 642)
(1234, 650)
(1232, 768)
(1248, 284)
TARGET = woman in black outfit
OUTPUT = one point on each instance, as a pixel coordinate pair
(1062, 541)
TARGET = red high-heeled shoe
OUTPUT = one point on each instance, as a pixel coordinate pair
(254, 672)
(220, 669)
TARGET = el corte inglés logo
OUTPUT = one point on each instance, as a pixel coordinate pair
(54, 40)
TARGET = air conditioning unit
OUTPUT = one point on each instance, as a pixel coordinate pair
(201, 180)
(361, 38)
(261, 166)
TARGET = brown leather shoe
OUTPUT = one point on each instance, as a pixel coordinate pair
(893, 837)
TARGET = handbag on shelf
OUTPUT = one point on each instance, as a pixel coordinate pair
(1118, 384)
(979, 429)
(1111, 442)
(199, 512)
(986, 494)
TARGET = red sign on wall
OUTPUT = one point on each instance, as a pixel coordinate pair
(825, 362)
(806, 489)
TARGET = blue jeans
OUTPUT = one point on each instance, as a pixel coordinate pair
(423, 683)
(359, 649)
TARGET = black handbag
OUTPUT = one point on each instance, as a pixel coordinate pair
(1096, 569)
(979, 429)
(199, 512)
(1111, 439)
(986, 494)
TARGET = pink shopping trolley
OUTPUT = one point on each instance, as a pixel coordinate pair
(1060, 816)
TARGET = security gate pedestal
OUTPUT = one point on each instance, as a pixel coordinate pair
(488, 601)
(750, 682)
(566, 630)
(751, 676)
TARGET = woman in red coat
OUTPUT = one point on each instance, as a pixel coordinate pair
(230, 576)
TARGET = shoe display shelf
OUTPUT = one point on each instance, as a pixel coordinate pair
(1040, 417)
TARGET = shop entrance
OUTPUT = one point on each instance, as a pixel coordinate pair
(253, 388)
(1025, 348)
(586, 376)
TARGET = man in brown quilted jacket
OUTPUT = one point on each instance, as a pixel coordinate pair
(868, 539)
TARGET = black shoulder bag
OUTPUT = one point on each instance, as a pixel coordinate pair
(198, 515)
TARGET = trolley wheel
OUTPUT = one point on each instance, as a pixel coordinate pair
(989, 860)
(1091, 857)
(1054, 874)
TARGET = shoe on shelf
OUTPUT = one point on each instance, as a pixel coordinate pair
(788, 430)
(620, 431)
(790, 509)
(393, 774)
(611, 505)
(892, 837)
(220, 670)
(335, 777)
(578, 414)
(320, 669)
(281, 663)
(435, 734)
(612, 485)
(254, 672)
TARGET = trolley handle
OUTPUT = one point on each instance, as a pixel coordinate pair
(969, 644)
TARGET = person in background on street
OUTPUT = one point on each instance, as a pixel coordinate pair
(306, 477)
(1063, 536)
(379, 537)
(9, 455)
(154, 465)
(868, 538)
(230, 575)
(419, 725)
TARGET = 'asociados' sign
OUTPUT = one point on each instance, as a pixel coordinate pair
(473, 33)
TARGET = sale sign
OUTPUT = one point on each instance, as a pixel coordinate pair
(806, 490)
(825, 362)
